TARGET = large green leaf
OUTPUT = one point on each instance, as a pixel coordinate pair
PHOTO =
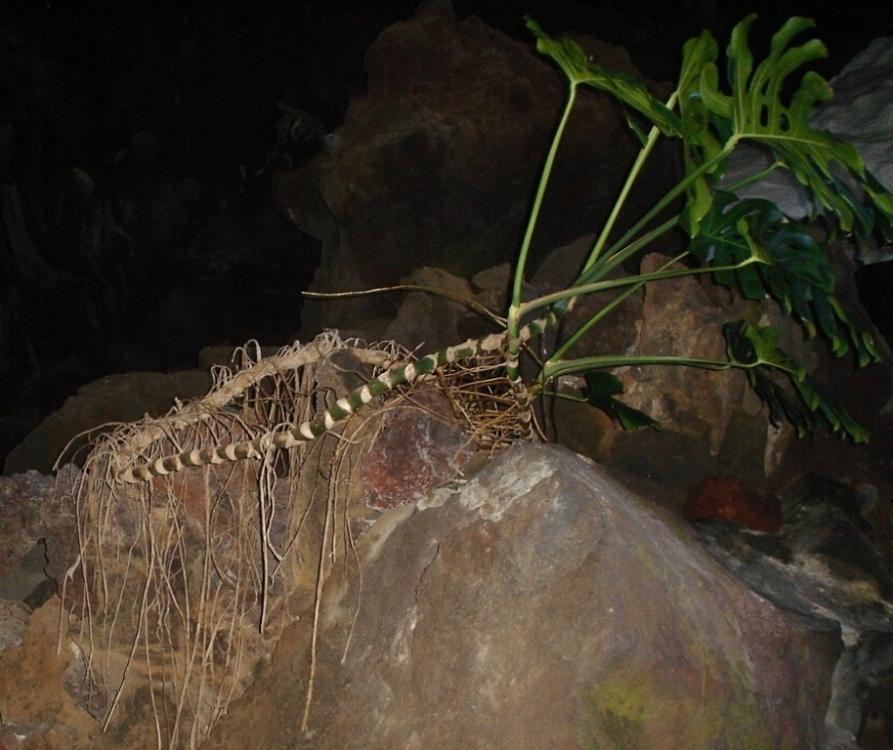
(792, 267)
(627, 89)
(754, 110)
(758, 350)
(701, 145)
(724, 239)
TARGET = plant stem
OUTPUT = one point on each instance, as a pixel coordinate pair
(583, 364)
(470, 303)
(668, 198)
(644, 153)
(755, 177)
(513, 323)
(599, 286)
(610, 262)
(603, 311)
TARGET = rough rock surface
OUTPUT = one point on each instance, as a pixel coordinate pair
(13, 620)
(822, 564)
(419, 447)
(429, 321)
(818, 564)
(860, 112)
(35, 702)
(114, 398)
(31, 510)
(710, 422)
(429, 170)
(542, 605)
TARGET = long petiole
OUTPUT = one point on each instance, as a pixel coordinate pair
(667, 199)
(633, 175)
(584, 364)
(600, 286)
(514, 320)
(609, 262)
(581, 331)
(755, 177)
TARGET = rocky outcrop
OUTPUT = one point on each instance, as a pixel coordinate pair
(539, 603)
(37, 524)
(429, 170)
(711, 423)
(36, 701)
(542, 605)
(114, 398)
(819, 561)
(420, 446)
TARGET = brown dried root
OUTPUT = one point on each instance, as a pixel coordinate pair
(185, 581)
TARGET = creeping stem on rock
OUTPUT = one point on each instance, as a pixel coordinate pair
(341, 409)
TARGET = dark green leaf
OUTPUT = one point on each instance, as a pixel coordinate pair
(792, 267)
(600, 389)
(758, 348)
(750, 345)
(782, 405)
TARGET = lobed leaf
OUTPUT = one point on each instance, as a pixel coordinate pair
(701, 146)
(790, 265)
(754, 110)
(627, 89)
(757, 349)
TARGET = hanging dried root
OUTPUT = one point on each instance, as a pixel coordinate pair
(185, 579)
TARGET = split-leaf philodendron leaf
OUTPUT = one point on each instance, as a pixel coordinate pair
(791, 266)
(758, 350)
(756, 109)
(627, 89)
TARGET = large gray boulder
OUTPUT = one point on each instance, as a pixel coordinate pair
(542, 605)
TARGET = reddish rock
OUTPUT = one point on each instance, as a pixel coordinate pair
(419, 447)
(724, 499)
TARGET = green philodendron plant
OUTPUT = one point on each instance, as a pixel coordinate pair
(275, 403)
(747, 244)
(744, 243)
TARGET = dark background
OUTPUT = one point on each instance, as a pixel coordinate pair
(206, 75)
